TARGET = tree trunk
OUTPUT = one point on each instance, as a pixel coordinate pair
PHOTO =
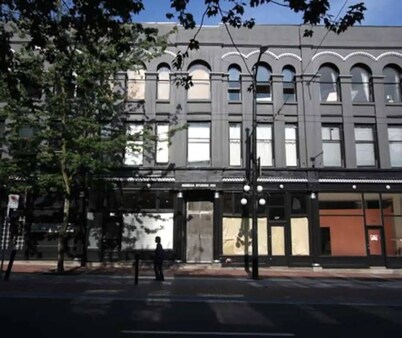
(62, 235)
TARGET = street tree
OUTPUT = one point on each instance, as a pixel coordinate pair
(64, 102)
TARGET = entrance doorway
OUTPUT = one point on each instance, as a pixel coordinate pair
(199, 248)
(375, 246)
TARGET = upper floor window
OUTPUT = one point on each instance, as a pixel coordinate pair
(134, 146)
(329, 84)
(162, 143)
(289, 84)
(200, 90)
(136, 84)
(362, 90)
(163, 90)
(234, 144)
(198, 147)
(291, 145)
(264, 145)
(365, 147)
(395, 145)
(234, 84)
(392, 84)
(263, 84)
(331, 146)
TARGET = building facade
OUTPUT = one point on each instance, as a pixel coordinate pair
(329, 143)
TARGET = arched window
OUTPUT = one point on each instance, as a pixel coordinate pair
(392, 84)
(263, 84)
(234, 85)
(136, 83)
(200, 90)
(289, 84)
(329, 84)
(361, 84)
(163, 90)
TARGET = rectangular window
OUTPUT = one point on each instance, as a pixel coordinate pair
(264, 145)
(198, 151)
(365, 150)
(136, 84)
(134, 146)
(162, 143)
(263, 91)
(395, 146)
(234, 91)
(331, 146)
(235, 144)
(291, 146)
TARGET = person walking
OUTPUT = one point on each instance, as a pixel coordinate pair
(158, 260)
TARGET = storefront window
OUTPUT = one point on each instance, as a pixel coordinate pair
(276, 206)
(278, 240)
(392, 211)
(165, 200)
(300, 236)
(298, 204)
(372, 209)
(342, 224)
(237, 236)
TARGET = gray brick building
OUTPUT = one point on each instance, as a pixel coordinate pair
(329, 139)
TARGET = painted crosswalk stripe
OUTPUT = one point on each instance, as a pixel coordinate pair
(210, 333)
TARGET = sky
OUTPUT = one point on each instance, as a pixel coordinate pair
(379, 12)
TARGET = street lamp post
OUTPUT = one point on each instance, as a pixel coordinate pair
(254, 168)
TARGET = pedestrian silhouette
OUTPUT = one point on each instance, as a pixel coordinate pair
(158, 259)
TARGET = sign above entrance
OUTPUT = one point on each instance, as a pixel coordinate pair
(199, 185)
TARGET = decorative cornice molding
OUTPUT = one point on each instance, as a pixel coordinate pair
(277, 57)
(358, 53)
(170, 53)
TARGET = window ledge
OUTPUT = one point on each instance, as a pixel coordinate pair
(333, 103)
(363, 103)
(393, 104)
(199, 101)
(235, 102)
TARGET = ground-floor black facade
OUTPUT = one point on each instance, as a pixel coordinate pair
(311, 218)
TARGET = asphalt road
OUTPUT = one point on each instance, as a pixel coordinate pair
(113, 307)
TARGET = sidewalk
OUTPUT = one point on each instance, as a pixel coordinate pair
(200, 270)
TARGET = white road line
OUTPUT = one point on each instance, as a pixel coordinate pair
(210, 333)
(255, 284)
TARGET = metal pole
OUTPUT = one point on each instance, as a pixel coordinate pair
(254, 169)
(254, 175)
(3, 239)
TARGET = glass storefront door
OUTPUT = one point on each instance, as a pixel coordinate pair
(375, 246)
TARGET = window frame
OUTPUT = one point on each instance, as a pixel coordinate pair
(237, 141)
(361, 85)
(138, 80)
(138, 129)
(234, 89)
(335, 84)
(199, 66)
(269, 141)
(163, 69)
(291, 85)
(393, 142)
(366, 142)
(161, 144)
(198, 141)
(396, 85)
(294, 143)
(332, 140)
(266, 84)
